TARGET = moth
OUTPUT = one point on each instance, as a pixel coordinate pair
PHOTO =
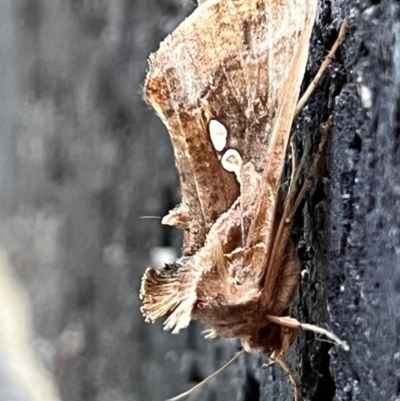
(226, 84)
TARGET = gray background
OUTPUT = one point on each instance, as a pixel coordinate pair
(82, 158)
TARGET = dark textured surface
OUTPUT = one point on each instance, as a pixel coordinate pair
(85, 158)
(364, 223)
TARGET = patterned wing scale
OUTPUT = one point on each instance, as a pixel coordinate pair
(240, 62)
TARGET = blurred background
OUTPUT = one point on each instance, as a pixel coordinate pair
(82, 159)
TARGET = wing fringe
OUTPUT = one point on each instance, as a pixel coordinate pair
(170, 292)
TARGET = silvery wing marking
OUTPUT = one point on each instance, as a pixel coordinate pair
(240, 62)
(218, 135)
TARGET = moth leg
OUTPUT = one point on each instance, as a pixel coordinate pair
(303, 100)
(271, 361)
(290, 322)
(286, 367)
(278, 357)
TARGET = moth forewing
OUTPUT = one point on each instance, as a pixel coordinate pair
(239, 63)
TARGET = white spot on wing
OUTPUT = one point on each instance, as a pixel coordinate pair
(218, 135)
(232, 161)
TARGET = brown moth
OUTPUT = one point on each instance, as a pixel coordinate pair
(226, 83)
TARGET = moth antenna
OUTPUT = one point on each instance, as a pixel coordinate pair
(300, 104)
(207, 379)
(313, 168)
(340, 39)
(293, 201)
(290, 322)
(150, 217)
